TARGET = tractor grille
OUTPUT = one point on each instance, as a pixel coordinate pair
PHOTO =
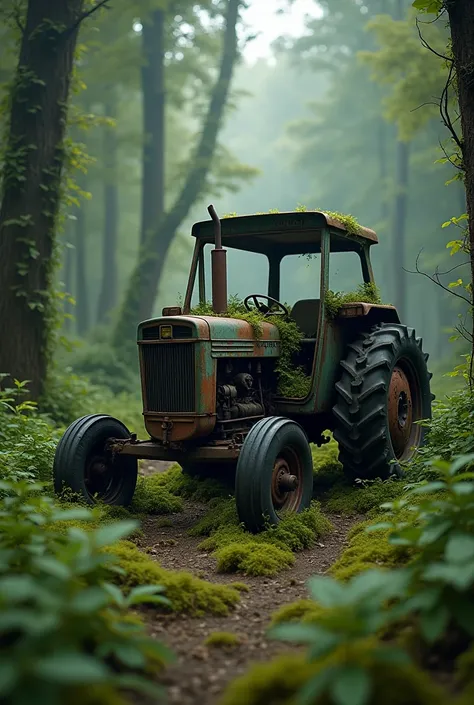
(169, 377)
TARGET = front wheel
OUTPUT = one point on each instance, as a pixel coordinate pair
(383, 394)
(84, 465)
(274, 473)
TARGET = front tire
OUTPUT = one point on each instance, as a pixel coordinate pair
(274, 473)
(383, 391)
(83, 464)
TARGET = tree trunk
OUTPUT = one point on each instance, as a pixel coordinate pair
(82, 297)
(68, 278)
(108, 290)
(144, 281)
(31, 186)
(153, 155)
(461, 20)
(399, 227)
(383, 171)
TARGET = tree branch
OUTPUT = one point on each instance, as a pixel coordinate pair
(85, 15)
(435, 279)
(427, 46)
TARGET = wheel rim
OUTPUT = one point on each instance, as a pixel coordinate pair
(287, 481)
(103, 477)
(404, 409)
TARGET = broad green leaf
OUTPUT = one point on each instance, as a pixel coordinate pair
(9, 674)
(459, 548)
(433, 624)
(115, 593)
(382, 584)
(71, 668)
(295, 633)
(52, 566)
(461, 462)
(326, 591)
(308, 694)
(111, 533)
(140, 685)
(432, 533)
(392, 655)
(351, 687)
(130, 656)
(89, 600)
(16, 588)
(77, 514)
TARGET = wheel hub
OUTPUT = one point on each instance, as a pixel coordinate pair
(98, 475)
(284, 484)
(400, 411)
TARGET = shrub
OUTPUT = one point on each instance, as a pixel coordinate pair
(63, 622)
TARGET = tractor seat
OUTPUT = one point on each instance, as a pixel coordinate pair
(305, 313)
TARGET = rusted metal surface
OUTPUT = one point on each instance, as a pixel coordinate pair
(287, 481)
(218, 267)
(403, 409)
(155, 451)
(264, 232)
(356, 309)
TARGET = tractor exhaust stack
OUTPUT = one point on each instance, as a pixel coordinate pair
(218, 267)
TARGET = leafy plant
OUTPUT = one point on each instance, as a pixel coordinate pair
(340, 635)
(63, 622)
(441, 531)
(365, 293)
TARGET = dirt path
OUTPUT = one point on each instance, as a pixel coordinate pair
(201, 673)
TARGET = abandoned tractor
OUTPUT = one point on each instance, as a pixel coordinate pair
(209, 383)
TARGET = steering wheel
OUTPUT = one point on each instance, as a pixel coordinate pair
(262, 308)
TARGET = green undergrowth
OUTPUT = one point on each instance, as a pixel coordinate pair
(366, 550)
(304, 611)
(281, 680)
(186, 593)
(267, 553)
(365, 293)
(293, 382)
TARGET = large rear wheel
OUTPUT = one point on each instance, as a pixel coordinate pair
(383, 393)
(84, 465)
(274, 473)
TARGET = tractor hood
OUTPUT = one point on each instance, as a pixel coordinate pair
(230, 337)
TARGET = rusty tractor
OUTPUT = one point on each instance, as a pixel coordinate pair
(209, 385)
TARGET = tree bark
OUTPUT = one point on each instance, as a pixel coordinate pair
(399, 227)
(461, 20)
(144, 281)
(108, 288)
(153, 92)
(31, 186)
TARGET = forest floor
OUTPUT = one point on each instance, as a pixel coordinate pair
(200, 674)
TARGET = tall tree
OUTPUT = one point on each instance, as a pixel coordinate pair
(153, 92)
(108, 287)
(461, 22)
(141, 292)
(31, 184)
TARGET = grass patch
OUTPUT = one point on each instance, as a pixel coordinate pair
(186, 593)
(300, 611)
(363, 497)
(153, 497)
(368, 550)
(222, 640)
(267, 553)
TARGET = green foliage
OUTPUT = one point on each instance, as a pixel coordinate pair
(151, 497)
(27, 440)
(365, 293)
(222, 640)
(63, 622)
(283, 681)
(292, 380)
(102, 366)
(347, 498)
(451, 432)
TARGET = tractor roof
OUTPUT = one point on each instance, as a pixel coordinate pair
(291, 232)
